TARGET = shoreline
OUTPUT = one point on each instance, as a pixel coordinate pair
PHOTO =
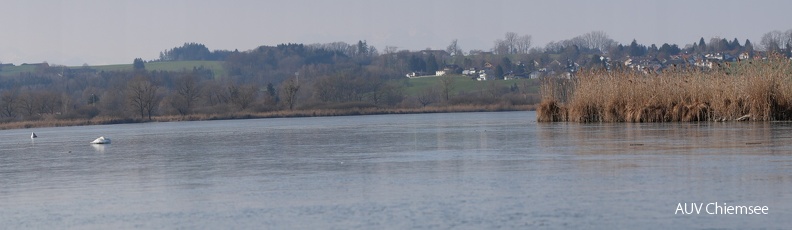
(259, 115)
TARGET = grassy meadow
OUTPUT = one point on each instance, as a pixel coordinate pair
(215, 66)
(176, 66)
(750, 90)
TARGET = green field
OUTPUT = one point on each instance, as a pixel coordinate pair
(215, 66)
(416, 86)
(13, 70)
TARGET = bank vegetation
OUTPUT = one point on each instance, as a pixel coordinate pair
(756, 90)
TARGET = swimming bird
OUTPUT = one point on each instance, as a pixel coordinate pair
(33, 135)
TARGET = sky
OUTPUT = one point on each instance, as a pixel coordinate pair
(100, 32)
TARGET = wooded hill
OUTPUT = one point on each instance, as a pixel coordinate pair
(194, 80)
(266, 79)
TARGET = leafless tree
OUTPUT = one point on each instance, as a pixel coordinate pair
(715, 44)
(492, 89)
(391, 49)
(188, 92)
(598, 40)
(8, 103)
(242, 96)
(27, 102)
(523, 44)
(288, 92)
(113, 102)
(214, 93)
(554, 47)
(426, 97)
(388, 93)
(511, 41)
(342, 47)
(142, 96)
(47, 102)
(775, 40)
(501, 47)
(446, 86)
(454, 49)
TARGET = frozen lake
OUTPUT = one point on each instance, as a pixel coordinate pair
(422, 171)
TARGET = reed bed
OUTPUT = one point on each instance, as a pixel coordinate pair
(755, 90)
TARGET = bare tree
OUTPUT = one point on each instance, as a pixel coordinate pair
(391, 49)
(454, 49)
(501, 47)
(775, 40)
(288, 92)
(188, 92)
(214, 93)
(48, 102)
(426, 97)
(598, 40)
(492, 89)
(446, 86)
(143, 97)
(715, 44)
(113, 101)
(511, 41)
(8, 103)
(27, 102)
(523, 44)
(242, 96)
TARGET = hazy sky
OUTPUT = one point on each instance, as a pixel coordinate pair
(73, 32)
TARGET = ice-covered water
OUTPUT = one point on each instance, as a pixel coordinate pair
(454, 170)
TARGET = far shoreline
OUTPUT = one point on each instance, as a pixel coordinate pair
(52, 122)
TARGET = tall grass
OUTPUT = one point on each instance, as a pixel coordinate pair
(761, 90)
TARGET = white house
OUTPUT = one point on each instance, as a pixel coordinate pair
(745, 56)
(483, 75)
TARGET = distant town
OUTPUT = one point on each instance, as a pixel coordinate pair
(596, 50)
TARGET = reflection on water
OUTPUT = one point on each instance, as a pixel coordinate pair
(98, 148)
(465, 170)
(669, 138)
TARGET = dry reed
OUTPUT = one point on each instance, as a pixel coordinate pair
(761, 90)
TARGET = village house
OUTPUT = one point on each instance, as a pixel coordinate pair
(485, 75)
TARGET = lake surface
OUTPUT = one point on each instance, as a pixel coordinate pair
(423, 171)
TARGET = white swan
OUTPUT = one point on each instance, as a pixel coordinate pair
(101, 140)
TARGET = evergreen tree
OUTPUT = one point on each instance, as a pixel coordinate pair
(499, 72)
(735, 45)
(507, 64)
(417, 64)
(431, 64)
(362, 48)
(637, 50)
(138, 64)
(271, 90)
(724, 45)
(748, 47)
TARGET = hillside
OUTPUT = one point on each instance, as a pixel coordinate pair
(215, 66)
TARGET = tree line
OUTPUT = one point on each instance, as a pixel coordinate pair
(319, 76)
